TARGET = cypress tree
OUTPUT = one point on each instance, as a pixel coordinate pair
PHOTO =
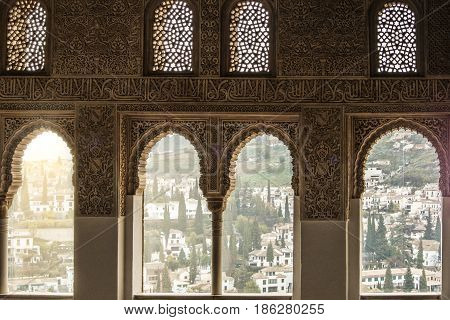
(193, 266)
(166, 284)
(256, 236)
(420, 255)
(381, 244)
(198, 222)
(204, 246)
(166, 222)
(233, 250)
(158, 282)
(388, 283)
(428, 229)
(408, 284)
(182, 258)
(287, 214)
(280, 212)
(423, 287)
(283, 242)
(270, 253)
(268, 192)
(182, 219)
(437, 231)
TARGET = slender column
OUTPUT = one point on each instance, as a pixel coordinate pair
(215, 205)
(445, 247)
(353, 250)
(296, 292)
(3, 248)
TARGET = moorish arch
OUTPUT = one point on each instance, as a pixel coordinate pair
(142, 148)
(239, 140)
(373, 137)
(11, 165)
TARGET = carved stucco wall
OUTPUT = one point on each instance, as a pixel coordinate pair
(95, 156)
(322, 37)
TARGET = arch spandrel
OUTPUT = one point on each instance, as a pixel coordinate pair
(143, 146)
(18, 139)
(386, 126)
(248, 132)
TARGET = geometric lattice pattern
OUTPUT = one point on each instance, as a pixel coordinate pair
(26, 36)
(173, 37)
(396, 38)
(249, 37)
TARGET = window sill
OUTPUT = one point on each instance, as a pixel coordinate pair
(36, 296)
(401, 296)
(206, 296)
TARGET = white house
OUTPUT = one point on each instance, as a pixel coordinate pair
(274, 279)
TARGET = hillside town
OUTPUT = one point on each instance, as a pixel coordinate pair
(258, 231)
(40, 233)
(401, 217)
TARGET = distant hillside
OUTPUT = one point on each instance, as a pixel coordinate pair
(409, 150)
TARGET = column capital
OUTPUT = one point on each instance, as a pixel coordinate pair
(3, 210)
(216, 204)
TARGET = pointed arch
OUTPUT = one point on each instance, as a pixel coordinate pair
(11, 168)
(141, 150)
(238, 142)
(372, 139)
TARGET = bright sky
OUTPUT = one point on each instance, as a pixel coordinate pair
(47, 146)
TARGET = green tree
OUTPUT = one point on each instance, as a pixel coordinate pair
(381, 243)
(182, 258)
(268, 193)
(423, 287)
(158, 282)
(283, 242)
(437, 230)
(155, 190)
(182, 220)
(233, 250)
(388, 283)
(419, 261)
(370, 235)
(408, 284)
(251, 287)
(428, 229)
(280, 212)
(287, 214)
(198, 220)
(166, 284)
(166, 222)
(193, 265)
(270, 253)
(256, 236)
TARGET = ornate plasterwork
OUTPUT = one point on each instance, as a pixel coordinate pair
(232, 90)
(98, 37)
(18, 131)
(322, 38)
(367, 131)
(96, 191)
(138, 136)
(236, 134)
(209, 37)
(323, 184)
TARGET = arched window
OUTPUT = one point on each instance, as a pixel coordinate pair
(258, 231)
(40, 234)
(396, 39)
(248, 38)
(172, 31)
(26, 36)
(177, 223)
(401, 216)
